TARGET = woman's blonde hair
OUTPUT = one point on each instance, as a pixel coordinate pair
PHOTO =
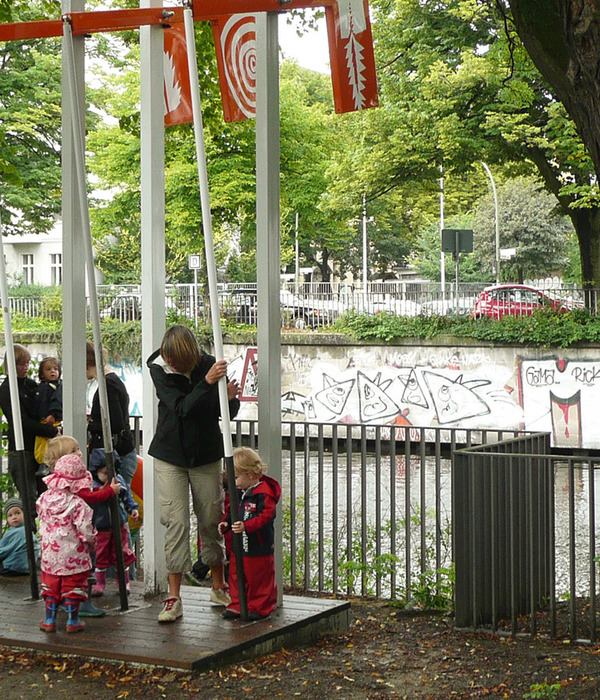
(58, 447)
(22, 354)
(248, 460)
(179, 348)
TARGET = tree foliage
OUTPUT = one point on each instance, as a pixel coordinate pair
(529, 222)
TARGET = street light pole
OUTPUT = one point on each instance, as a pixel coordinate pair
(489, 174)
(364, 247)
(442, 254)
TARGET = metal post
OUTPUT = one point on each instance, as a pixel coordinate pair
(497, 224)
(152, 160)
(74, 290)
(442, 254)
(195, 298)
(78, 151)
(297, 276)
(365, 275)
(211, 269)
(268, 256)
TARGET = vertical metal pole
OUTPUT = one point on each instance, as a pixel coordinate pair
(211, 269)
(74, 290)
(268, 256)
(297, 276)
(442, 254)
(195, 298)
(497, 223)
(86, 235)
(152, 138)
(365, 274)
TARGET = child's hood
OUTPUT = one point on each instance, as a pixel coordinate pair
(70, 474)
(268, 485)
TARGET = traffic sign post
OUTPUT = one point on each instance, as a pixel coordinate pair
(457, 241)
(195, 263)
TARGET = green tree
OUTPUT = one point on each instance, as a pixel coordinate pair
(561, 39)
(30, 119)
(455, 89)
(529, 222)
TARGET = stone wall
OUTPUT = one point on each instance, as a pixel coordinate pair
(436, 383)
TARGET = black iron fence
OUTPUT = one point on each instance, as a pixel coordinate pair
(507, 530)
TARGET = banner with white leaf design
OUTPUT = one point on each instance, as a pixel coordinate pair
(178, 100)
(351, 56)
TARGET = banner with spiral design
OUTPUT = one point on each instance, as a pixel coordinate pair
(235, 43)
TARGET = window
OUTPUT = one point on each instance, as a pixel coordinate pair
(27, 259)
(55, 269)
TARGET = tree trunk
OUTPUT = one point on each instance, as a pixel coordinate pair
(562, 38)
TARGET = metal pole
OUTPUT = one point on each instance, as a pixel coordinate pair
(297, 280)
(13, 385)
(497, 225)
(365, 275)
(211, 270)
(78, 152)
(268, 257)
(195, 298)
(442, 254)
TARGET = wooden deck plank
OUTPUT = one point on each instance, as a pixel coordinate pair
(199, 640)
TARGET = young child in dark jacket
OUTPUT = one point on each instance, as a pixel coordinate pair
(48, 396)
(258, 496)
(105, 545)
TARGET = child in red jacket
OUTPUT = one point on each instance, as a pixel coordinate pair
(258, 496)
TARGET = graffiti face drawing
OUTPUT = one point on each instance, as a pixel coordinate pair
(454, 400)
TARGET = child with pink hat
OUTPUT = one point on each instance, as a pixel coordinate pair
(68, 537)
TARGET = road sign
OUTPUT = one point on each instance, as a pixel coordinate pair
(194, 262)
(455, 240)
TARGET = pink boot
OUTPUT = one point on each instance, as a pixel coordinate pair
(100, 584)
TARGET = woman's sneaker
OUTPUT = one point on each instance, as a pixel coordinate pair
(219, 596)
(172, 610)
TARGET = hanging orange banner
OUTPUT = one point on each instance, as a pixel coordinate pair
(351, 55)
(235, 44)
(350, 50)
(178, 98)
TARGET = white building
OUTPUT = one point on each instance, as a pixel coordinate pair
(34, 258)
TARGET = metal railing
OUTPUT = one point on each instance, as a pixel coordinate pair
(368, 510)
(318, 304)
(525, 527)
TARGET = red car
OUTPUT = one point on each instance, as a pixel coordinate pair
(516, 300)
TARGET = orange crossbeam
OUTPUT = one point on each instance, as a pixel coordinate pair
(119, 20)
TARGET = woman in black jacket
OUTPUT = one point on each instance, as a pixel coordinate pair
(187, 448)
(118, 411)
(31, 427)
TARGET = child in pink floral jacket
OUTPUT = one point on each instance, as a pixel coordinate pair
(67, 537)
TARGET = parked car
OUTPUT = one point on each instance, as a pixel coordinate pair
(448, 307)
(303, 312)
(517, 300)
(125, 307)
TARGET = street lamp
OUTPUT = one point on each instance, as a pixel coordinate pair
(365, 274)
(489, 174)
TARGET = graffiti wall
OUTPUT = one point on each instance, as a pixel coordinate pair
(436, 386)
(432, 385)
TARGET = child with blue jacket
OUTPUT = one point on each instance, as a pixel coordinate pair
(13, 545)
(105, 545)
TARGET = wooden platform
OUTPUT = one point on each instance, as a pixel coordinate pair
(201, 639)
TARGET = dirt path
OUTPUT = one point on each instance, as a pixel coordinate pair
(385, 654)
